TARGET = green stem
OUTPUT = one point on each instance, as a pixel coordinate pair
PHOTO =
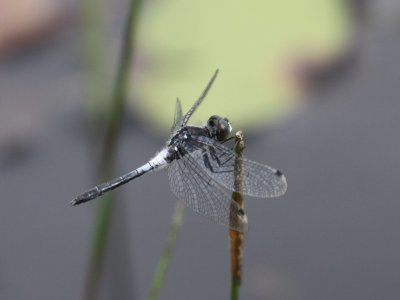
(94, 53)
(165, 257)
(113, 125)
(235, 285)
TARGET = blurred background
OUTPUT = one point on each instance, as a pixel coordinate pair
(314, 85)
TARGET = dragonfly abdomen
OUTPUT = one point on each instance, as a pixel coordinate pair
(159, 161)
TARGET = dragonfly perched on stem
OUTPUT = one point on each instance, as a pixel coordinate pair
(201, 169)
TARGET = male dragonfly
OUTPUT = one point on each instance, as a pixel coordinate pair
(201, 169)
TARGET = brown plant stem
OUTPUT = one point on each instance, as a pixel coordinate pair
(237, 238)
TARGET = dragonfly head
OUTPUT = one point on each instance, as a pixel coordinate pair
(219, 128)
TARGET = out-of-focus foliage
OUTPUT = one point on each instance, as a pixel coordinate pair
(256, 45)
(24, 23)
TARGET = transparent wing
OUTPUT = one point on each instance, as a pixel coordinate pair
(191, 184)
(187, 116)
(218, 162)
(177, 116)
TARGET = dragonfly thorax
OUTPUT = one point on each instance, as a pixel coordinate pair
(187, 140)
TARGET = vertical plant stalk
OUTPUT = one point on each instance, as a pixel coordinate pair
(94, 54)
(237, 238)
(113, 125)
(165, 257)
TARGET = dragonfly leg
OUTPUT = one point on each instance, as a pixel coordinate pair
(209, 166)
(218, 159)
(228, 139)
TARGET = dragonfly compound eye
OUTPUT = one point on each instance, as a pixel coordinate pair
(223, 129)
(219, 128)
(212, 121)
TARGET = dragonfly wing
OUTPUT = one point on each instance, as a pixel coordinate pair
(192, 185)
(187, 116)
(218, 162)
(177, 116)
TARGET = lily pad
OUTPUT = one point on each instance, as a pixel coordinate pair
(181, 43)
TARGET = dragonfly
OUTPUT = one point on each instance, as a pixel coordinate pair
(201, 169)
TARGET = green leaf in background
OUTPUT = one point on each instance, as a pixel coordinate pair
(181, 43)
